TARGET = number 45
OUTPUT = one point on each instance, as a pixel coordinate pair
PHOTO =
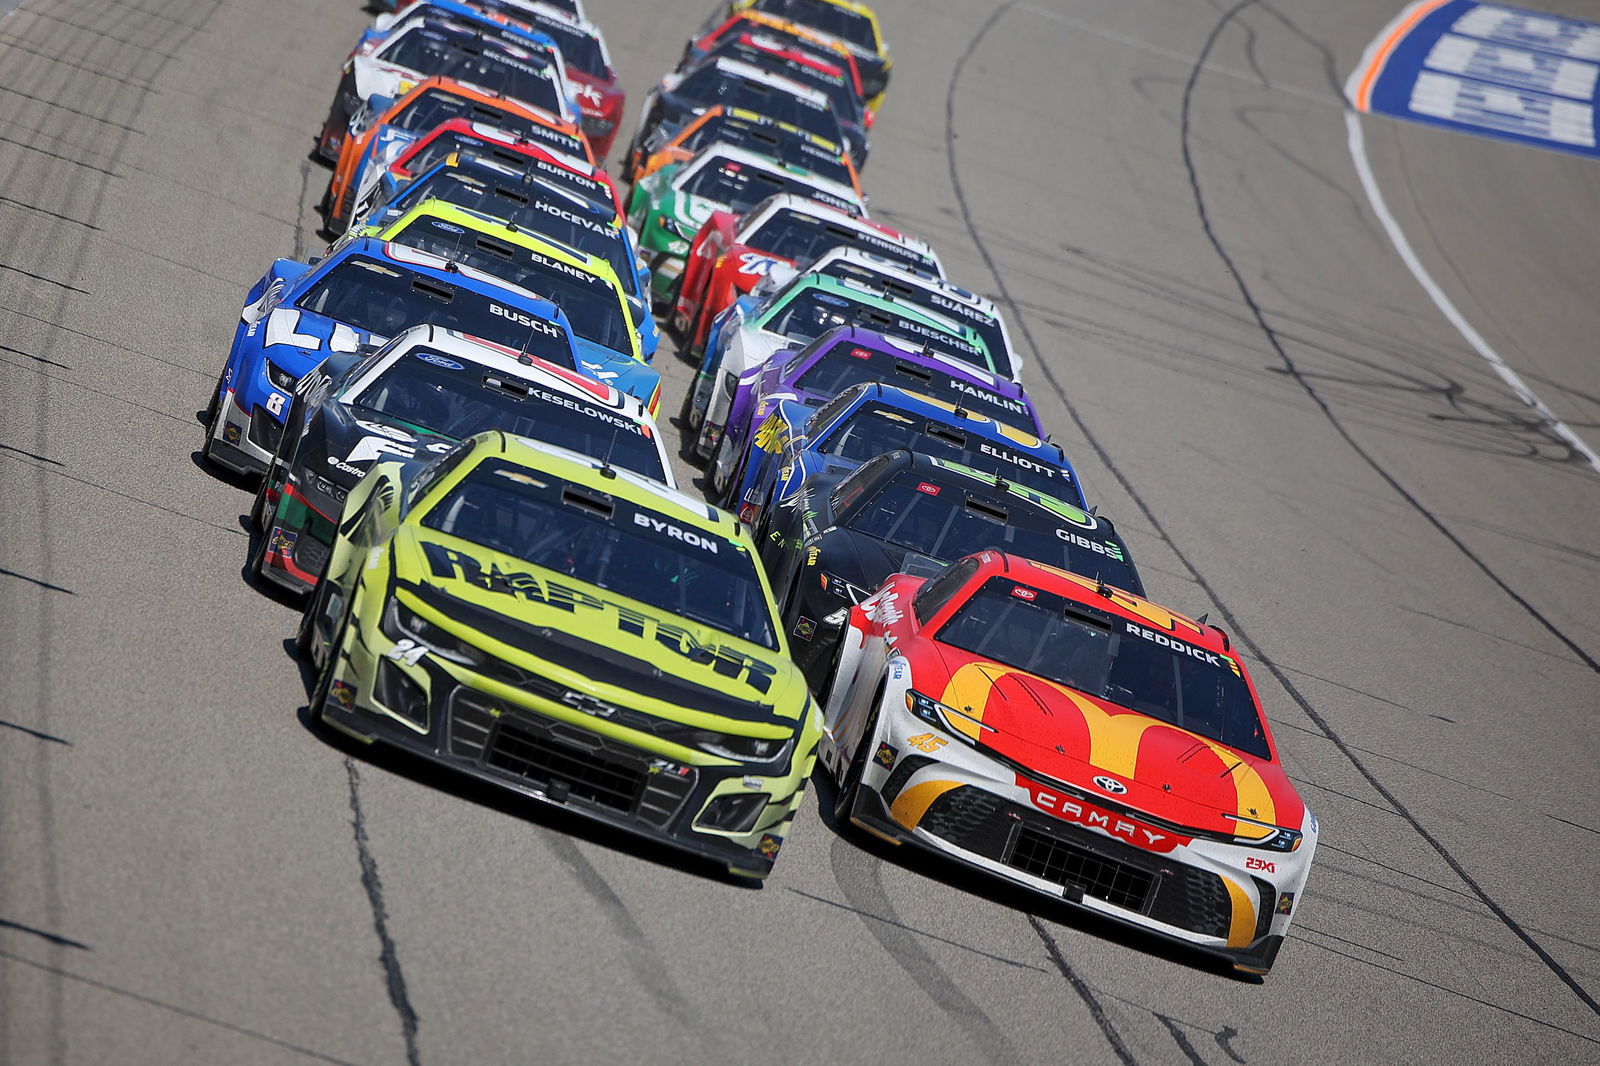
(927, 742)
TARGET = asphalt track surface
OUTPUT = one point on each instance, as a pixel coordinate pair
(1290, 434)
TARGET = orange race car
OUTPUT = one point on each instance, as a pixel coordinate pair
(384, 127)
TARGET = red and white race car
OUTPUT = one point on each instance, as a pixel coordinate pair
(1073, 739)
(732, 253)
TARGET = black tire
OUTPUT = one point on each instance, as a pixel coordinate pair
(844, 798)
(306, 634)
(258, 509)
(319, 692)
(214, 404)
(826, 692)
(724, 495)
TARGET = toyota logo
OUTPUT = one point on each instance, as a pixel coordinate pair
(1111, 785)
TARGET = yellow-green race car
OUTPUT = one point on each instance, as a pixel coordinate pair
(574, 632)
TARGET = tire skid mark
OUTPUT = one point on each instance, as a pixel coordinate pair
(1242, 635)
(1097, 1010)
(652, 973)
(69, 110)
(388, 956)
(862, 885)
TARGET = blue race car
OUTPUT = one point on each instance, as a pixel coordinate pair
(866, 420)
(363, 293)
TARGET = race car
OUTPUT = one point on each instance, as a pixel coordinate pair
(770, 27)
(467, 139)
(524, 198)
(362, 292)
(380, 133)
(414, 398)
(668, 208)
(900, 512)
(796, 441)
(732, 253)
(588, 68)
(446, 39)
(851, 24)
(572, 8)
(846, 356)
(583, 286)
(752, 331)
(550, 624)
(683, 94)
(1072, 739)
(758, 133)
(829, 78)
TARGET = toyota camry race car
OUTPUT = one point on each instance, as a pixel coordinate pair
(720, 26)
(416, 397)
(851, 24)
(748, 336)
(846, 356)
(363, 292)
(901, 512)
(865, 421)
(734, 253)
(1075, 740)
(668, 207)
(573, 632)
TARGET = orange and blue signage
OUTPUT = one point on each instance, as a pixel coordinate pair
(1488, 69)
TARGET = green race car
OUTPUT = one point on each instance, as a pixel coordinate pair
(538, 619)
(668, 207)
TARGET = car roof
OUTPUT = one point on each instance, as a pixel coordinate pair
(433, 207)
(905, 400)
(739, 68)
(745, 157)
(805, 205)
(416, 259)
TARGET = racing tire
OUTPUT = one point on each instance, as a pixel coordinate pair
(258, 509)
(306, 633)
(214, 404)
(319, 692)
(844, 798)
(723, 493)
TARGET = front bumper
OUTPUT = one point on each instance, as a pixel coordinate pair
(522, 739)
(983, 816)
(299, 542)
(243, 441)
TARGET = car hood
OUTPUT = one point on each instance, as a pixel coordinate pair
(1079, 740)
(543, 624)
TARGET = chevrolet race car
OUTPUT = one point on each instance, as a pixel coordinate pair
(865, 421)
(583, 286)
(731, 83)
(771, 27)
(526, 199)
(851, 24)
(380, 133)
(732, 254)
(466, 139)
(761, 134)
(668, 207)
(751, 332)
(416, 397)
(846, 356)
(1072, 739)
(362, 292)
(829, 78)
(462, 45)
(572, 632)
(913, 513)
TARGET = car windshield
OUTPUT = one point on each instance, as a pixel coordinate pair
(533, 208)
(809, 311)
(805, 238)
(1155, 673)
(831, 19)
(774, 142)
(709, 86)
(384, 298)
(608, 542)
(435, 392)
(591, 303)
(469, 58)
(941, 518)
(832, 83)
(846, 363)
(742, 185)
(580, 50)
(928, 298)
(875, 428)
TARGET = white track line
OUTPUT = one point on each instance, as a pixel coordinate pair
(1358, 152)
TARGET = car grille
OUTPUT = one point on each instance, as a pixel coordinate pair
(1055, 860)
(1168, 891)
(543, 751)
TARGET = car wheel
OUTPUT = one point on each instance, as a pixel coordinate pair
(319, 692)
(305, 637)
(214, 405)
(258, 509)
(844, 799)
(723, 493)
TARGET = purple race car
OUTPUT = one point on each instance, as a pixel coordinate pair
(842, 357)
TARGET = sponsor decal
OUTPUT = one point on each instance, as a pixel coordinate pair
(1264, 865)
(448, 227)
(439, 361)
(342, 694)
(830, 298)
(1003, 402)
(929, 489)
(1286, 904)
(230, 433)
(1023, 592)
(756, 265)
(812, 555)
(687, 536)
(805, 628)
(672, 769)
(769, 845)
(1181, 647)
(1078, 812)
(1111, 551)
(720, 659)
(861, 353)
(886, 755)
(1110, 784)
(573, 217)
(927, 742)
(538, 325)
(1009, 456)
(281, 541)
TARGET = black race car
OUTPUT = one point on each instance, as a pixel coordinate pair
(905, 513)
